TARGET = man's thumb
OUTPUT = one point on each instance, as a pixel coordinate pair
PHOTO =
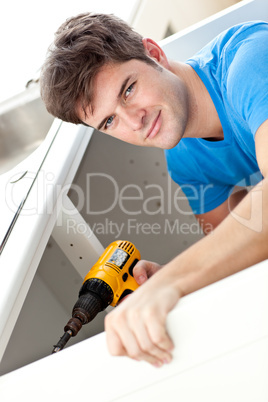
(140, 273)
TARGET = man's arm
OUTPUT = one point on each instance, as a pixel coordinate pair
(241, 239)
(210, 220)
(261, 143)
(137, 328)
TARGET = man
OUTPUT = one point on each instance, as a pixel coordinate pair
(210, 114)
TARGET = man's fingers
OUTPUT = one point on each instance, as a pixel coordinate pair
(135, 341)
(144, 270)
(114, 344)
(152, 348)
(159, 336)
(140, 272)
(116, 347)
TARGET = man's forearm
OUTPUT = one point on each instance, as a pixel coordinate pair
(240, 241)
(137, 326)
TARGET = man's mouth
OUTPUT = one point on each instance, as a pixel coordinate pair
(155, 127)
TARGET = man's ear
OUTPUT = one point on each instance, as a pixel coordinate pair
(155, 52)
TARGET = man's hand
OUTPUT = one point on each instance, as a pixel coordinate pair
(137, 327)
(144, 270)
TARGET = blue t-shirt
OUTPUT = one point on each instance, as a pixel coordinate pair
(234, 69)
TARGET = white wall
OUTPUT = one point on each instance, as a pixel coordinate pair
(155, 16)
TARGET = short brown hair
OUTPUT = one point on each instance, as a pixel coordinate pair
(82, 46)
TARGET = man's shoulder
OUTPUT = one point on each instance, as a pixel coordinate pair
(227, 42)
(245, 34)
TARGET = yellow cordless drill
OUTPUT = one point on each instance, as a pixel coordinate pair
(107, 283)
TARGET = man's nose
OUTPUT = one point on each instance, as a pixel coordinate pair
(133, 118)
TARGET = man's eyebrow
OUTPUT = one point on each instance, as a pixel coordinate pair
(120, 93)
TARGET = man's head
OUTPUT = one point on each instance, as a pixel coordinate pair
(101, 73)
(82, 46)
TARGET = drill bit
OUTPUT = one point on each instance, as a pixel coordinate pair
(62, 342)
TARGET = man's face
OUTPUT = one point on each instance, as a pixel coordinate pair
(138, 104)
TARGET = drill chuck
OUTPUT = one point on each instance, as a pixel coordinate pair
(94, 296)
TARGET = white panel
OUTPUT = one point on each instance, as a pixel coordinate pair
(76, 239)
(32, 338)
(239, 376)
(26, 244)
(221, 353)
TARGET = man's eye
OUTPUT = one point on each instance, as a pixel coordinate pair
(109, 122)
(129, 90)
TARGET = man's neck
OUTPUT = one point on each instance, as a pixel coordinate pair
(203, 120)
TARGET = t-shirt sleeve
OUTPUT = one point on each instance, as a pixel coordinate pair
(202, 197)
(247, 78)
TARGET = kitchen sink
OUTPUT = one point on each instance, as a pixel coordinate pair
(24, 124)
